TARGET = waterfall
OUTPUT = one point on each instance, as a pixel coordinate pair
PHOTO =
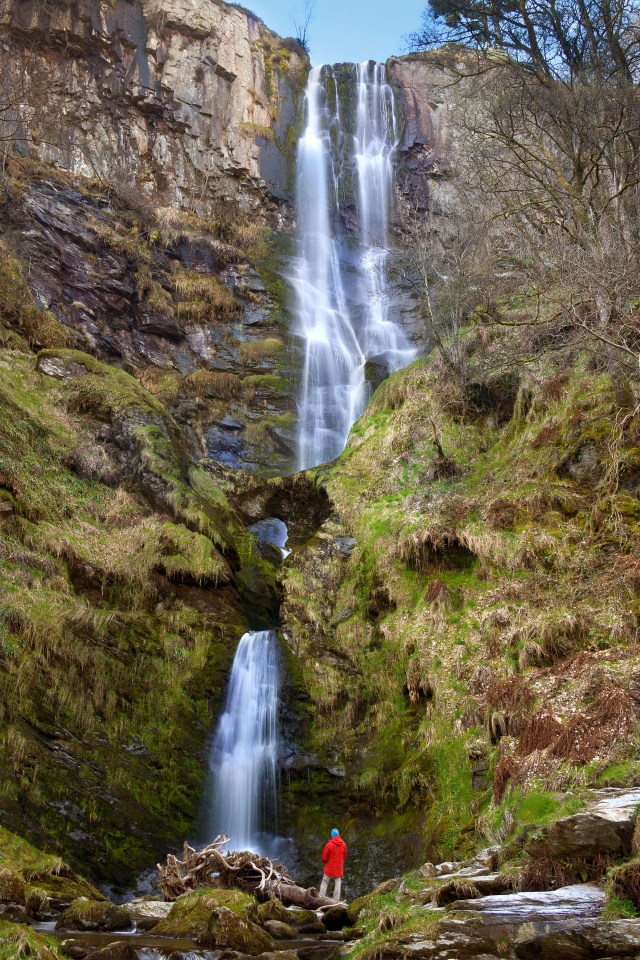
(245, 750)
(339, 333)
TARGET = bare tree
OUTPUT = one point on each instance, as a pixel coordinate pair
(301, 25)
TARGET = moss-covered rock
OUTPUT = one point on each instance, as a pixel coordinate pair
(227, 930)
(279, 930)
(94, 915)
(12, 887)
(192, 912)
(275, 910)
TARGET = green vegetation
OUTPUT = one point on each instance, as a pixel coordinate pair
(17, 940)
(484, 561)
(110, 535)
(190, 915)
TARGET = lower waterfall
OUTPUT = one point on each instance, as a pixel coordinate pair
(243, 763)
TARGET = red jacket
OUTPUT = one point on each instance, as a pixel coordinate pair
(334, 856)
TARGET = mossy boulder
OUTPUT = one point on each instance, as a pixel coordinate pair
(228, 930)
(116, 951)
(94, 915)
(301, 918)
(279, 930)
(275, 910)
(12, 887)
(191, 913)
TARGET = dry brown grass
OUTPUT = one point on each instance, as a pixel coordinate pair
(625, 882)
(611, 718)
(203, 297)
(538, 733)
(456, 890)
(213, 383)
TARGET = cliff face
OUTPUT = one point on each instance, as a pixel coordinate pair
(428, 88)
(189, 102)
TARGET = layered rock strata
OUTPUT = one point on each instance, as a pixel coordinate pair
(189, 103)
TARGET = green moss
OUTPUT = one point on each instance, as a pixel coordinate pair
(90, 914)
(17, 940)
(190, 915)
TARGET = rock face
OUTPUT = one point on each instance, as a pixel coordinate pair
(191, 102)
(606, 827)
(426, 91)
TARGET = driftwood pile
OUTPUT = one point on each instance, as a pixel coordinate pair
(242, 870)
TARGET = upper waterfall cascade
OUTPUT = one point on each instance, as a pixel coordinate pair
(341, 332)
(243, 765)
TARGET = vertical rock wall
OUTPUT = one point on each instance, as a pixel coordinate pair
(189, 101)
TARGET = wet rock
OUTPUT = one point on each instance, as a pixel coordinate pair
(227, 929)
(116, 951)
(346, 545)
(161, 325)
(147, 913)
(86, 914)
(278, 955)
(311, 926)
(73, 949)
(336, 918)
(279, 930)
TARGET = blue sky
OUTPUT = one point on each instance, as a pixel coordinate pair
(345, 30)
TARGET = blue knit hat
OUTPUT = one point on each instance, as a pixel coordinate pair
(335, 833)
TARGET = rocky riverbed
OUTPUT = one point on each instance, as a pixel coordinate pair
(478, 908)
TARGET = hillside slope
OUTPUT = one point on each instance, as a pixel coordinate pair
(468, 618)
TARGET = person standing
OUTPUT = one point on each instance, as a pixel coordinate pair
(333, 857)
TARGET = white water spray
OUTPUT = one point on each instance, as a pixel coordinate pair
(340, 336)
(243, 762)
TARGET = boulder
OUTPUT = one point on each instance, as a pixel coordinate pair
(605, 827)
(147, 913)
(299, 917)
(274, 910)
(86, 914)
(116, 951)
(189, 916)
(617, 938)
(279, 930)
(228, 930)
(73, 949)
(12, 887)
(312, 926)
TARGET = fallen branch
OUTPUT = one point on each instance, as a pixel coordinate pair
(243, 870)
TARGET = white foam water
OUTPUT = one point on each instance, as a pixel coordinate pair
(243, 764)
(339, 337)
